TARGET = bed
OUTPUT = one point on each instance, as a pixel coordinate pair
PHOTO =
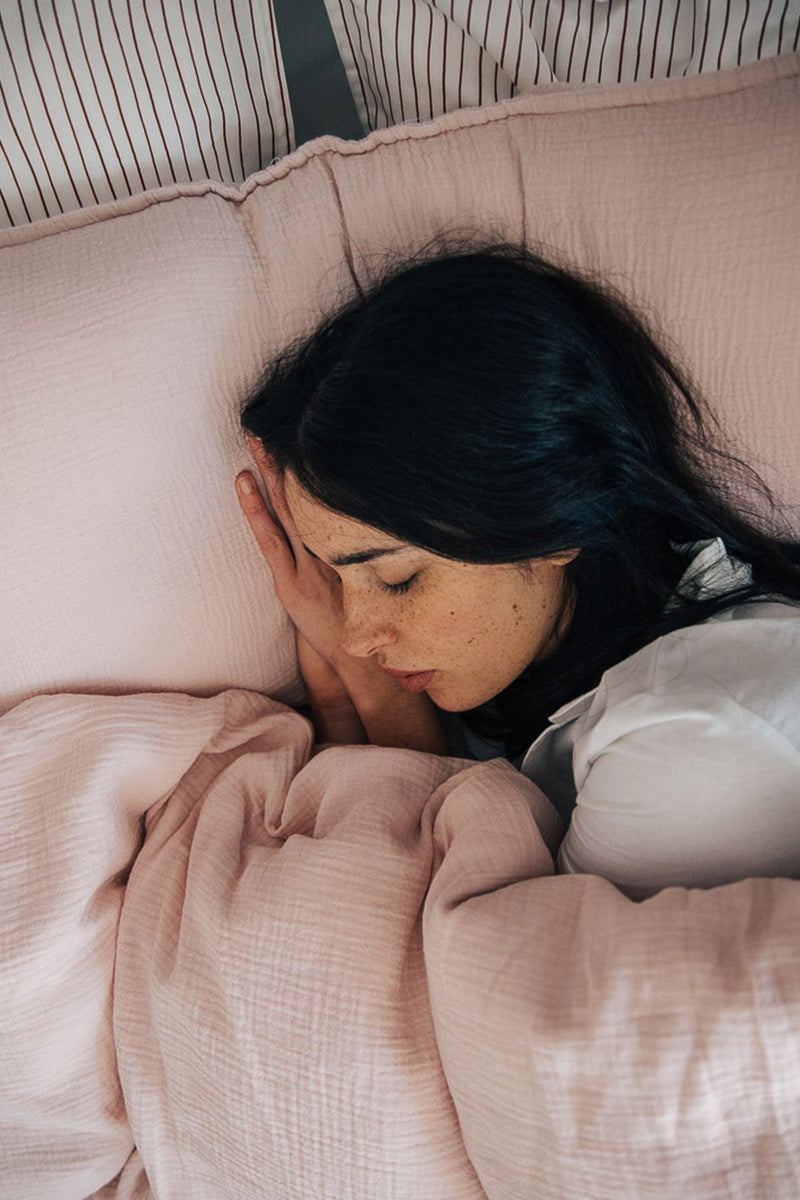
(239, 964)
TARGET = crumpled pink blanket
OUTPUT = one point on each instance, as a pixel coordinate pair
(352, 973)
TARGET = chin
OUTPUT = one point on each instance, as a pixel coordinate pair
(451, 701)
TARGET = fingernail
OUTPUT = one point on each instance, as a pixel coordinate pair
(245, 484)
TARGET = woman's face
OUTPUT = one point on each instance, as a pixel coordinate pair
(476, 625)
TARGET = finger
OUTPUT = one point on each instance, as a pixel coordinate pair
(269, 535)
(272, 477)
(264, 461)
(276, 493)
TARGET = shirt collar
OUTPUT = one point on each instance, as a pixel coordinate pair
(711, 572)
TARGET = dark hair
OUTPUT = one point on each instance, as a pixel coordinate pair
(493, 407)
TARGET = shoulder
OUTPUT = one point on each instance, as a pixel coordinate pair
(745, 659)
(687, 762)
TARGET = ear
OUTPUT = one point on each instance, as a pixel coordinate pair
(561, 560)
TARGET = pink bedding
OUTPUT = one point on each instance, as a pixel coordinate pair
(352, 973)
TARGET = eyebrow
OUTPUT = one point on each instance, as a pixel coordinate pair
(346, 560)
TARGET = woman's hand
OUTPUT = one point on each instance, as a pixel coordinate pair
(311, 593)
(309, 590)
(333, 714)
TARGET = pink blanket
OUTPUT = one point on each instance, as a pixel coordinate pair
(354, 974)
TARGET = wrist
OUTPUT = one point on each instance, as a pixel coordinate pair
(391, 716)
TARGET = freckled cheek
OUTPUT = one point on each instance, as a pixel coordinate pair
(439, 625)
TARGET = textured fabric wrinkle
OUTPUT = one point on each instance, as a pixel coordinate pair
(347, 245)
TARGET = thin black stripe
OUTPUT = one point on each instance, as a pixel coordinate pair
(741, 33)
(10, 220)
(574, 39)
(622, 46)
(32, 128)
(588, 42)
(780, 27)
(383, 98)
(556, 43)
(544, 30)
(519, 51)
(263, 156)
(383, 62)
(705, 39)
(234, 90)
(116, 98)
(639, 47)
(45, 106)
(430, 45)
(398, 58)
(655, 39)
(189, 104)
(216, 91)
(201, 92)
(279, 77)
(78, 93)
(355, 59)
(146, 78)
(414, 56)
(694, 40)
(505, 40)
(249, 85)
(24, 153)
(672, 42)
(375, 95)
(167, 89)
(444, 68)
(134, 93)
(764, 24)
(722, 39)
(605, 40)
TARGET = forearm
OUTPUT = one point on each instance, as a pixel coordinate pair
(390, 716)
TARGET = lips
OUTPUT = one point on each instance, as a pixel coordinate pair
(411, 681)
(392, 671)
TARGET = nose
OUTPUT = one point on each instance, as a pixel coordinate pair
(365, 631)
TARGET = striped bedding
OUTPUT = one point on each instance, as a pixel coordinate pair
(108, 98)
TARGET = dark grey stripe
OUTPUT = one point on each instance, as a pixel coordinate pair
(319, 93)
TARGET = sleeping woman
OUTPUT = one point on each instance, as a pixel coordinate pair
(500, 528)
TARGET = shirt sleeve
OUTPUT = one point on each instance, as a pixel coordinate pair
(700, 791)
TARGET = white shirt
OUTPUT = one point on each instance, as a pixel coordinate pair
(683, 765)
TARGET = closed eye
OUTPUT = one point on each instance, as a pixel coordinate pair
(397, 589)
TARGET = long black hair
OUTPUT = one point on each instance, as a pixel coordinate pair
(491, 406)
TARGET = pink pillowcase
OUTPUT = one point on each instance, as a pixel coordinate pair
(133, 331)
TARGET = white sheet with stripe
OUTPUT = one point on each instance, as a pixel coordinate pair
(106, 98)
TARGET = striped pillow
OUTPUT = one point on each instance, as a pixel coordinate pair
(103, 101)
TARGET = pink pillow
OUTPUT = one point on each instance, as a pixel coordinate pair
(133, 330)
